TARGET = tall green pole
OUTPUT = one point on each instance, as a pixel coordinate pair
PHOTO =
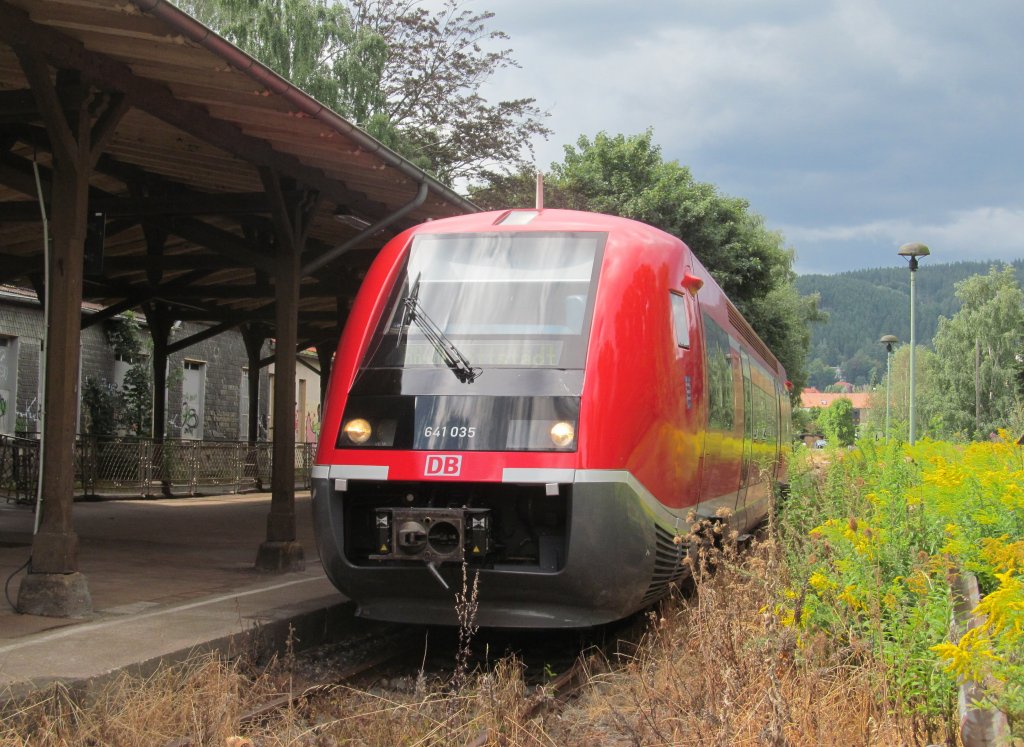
(888, 384)
(912, 252)
(888, 341)
(913, 345)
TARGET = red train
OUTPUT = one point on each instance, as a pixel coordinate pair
(544, 395)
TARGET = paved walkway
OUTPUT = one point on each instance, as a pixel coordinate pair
(167, 577)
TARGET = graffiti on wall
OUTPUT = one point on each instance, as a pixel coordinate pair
(189, 419)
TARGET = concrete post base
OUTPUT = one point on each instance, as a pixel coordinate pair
(55, 595)
(280, 557)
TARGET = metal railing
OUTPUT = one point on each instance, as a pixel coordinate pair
(142, 467)
(19, 468)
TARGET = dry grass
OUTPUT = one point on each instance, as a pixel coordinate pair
(203, 698)
(716, 668)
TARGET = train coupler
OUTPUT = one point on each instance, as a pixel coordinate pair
(433, 535)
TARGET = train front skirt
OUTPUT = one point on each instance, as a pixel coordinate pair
(551, 548)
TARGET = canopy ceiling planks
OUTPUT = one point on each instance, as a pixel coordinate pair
(201, 119)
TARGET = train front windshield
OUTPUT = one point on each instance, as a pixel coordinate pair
(473, 302)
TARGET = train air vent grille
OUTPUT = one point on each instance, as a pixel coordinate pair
(668, 565)
(748, 334)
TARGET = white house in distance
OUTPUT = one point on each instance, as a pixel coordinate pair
(861, 401)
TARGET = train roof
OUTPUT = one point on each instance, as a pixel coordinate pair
(553, 219)
(550, 219)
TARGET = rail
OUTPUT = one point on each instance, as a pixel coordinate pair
(390, 643)
(143, 467)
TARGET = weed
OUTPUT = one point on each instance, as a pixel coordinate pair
(821, 633)
(871, 545)
(466, 604)
(201, 699)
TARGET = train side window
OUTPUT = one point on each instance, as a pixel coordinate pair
(718, 360)
(680, 320)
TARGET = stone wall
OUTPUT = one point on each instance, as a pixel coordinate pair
(223, 357)
(225, 362)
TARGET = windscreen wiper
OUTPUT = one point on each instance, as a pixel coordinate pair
(409, 303)
(451, 355)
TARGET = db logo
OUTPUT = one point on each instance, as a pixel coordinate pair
(443, 464)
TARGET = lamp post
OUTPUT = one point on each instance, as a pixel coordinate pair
(888, 341)
(912, 252)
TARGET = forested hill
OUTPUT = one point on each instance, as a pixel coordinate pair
(863, 305)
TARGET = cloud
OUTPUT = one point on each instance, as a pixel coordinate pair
(860, 118)
(997, 229)
(978, 234)
(703, 78)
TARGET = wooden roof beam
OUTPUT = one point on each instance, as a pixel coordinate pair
(193, 204)
(155, 98)
(136, 296)
(15, 169)
(236, 292)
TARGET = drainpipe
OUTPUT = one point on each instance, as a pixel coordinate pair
(201, 35)
(331, 254)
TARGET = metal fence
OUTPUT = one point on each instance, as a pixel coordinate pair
(19, 468)
(143, 467)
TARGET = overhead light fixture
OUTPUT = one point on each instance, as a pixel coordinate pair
(914, 249)
(343, 214)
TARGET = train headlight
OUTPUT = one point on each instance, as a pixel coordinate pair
(358, 431)
(562, 433)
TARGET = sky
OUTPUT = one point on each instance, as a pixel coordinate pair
(852, 126)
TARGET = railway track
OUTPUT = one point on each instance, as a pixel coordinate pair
(361, 655)
(390, 660)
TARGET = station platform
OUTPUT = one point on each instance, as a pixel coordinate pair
(168, 578)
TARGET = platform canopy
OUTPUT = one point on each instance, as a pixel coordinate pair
(187, 131)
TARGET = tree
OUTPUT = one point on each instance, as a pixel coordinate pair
(409, 76)
(137, 398)
(99, 407)
(437, 64)
(862, 368)
(820, 375)
(805, 420)
(978, 349)
(836, 421)
(627, 176)
(110, 410)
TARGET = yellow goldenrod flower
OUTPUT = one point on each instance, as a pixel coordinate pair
(967, 658)
(1003, 607)
(821, 583)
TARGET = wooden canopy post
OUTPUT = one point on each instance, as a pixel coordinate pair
(54, 586)
(254, 336)
(160, 322)
(292, 220)
(159, 319)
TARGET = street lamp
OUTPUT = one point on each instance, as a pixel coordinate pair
(888, 341)
(912, 252)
